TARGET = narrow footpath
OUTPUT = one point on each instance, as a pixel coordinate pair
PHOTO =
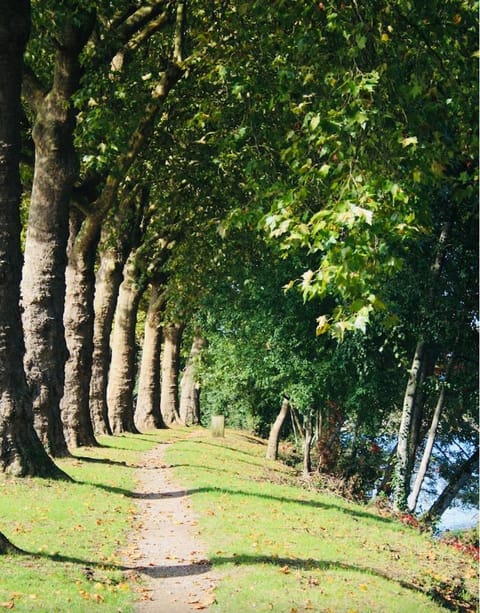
(165, 552)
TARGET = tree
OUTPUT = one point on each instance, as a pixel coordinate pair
(461, 475)
(121, 377)
(189, 409)
(21, 452)
(170, 364)
(56, 169)
(147, 414)
(273, 437)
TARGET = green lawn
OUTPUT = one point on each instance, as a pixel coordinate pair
(276, 546)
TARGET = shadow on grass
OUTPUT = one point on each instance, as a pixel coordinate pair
(441, 594)
(104, 461)
(223, 490)
(220, 446)
(311, 564)
(88, 566)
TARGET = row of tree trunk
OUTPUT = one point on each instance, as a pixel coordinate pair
(49, 400)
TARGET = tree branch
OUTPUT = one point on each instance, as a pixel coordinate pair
(32, 89)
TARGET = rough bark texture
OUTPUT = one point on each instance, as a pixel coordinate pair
(121, 378)
(21, 452)
(43, 284)
(172, 334)
(272, 446)
(189, 387)
(458, 480)
(107, 284)
(78, 321)
(402, 472)
(147, 412)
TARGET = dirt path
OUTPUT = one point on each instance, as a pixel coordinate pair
(164, 549)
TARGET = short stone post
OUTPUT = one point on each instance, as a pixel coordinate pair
(218, 425)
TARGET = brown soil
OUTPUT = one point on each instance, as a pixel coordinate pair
(165, 555)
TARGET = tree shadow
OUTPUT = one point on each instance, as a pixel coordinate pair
(89, 566)
(165, 572)
(310, 564)
(104, 461)
(223, 490)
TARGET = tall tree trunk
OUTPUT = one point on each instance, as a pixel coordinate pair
(43, 284)
(458, 480)
(403, 475)
(272, 446)
(78, 321)
(427, 452)
(21, 452)
(147, 412)
(107, 284)
(121, 379)
(172, 335)
(189, 387)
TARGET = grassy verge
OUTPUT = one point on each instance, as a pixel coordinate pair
(72, 533)
(284, 549)
(277, 547)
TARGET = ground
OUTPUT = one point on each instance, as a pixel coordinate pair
(165, 553)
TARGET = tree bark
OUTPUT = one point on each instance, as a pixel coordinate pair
(78, 321)
(406, 446)
(43, 284)
(458, 480)
(427, 452)
(189, 387)
(274, 436)
(21, 452)
(107, 284)
(402, 476)
(172, 334)
(121, 379)
(307, 445)
(147, 412)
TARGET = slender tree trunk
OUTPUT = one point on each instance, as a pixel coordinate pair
(416, 421)
(406, 446)
(107, 284)
(307, 445)
(403, 472)
(43, 284)
(272, 446)
(147, 412)
(189, 387)
(427, 453)
(121, 379)
(458, 480)
(172, 334)
(21, 452)
(78, 320)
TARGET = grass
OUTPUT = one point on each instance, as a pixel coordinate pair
(276, 546)
(283, 548)
(71, 533)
